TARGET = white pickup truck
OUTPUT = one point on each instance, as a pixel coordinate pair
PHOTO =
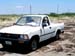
(29, 31)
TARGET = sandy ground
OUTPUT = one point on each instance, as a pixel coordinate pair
(62, 47)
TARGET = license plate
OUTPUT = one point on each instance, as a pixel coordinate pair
(8, 42)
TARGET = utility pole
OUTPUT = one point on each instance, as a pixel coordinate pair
(68, 10)
(30, 9)
(57, 8)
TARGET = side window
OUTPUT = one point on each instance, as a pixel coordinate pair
(45, 22)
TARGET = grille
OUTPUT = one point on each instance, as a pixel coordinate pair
(11, 36)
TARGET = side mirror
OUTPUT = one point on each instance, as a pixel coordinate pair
(44, 25)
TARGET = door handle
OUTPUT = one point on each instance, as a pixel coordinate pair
(50, 27)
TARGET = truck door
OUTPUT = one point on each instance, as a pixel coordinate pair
(48, 30)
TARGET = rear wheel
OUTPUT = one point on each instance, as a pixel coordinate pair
(57, 35)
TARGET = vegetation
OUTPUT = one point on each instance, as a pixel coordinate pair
(8, 17)
(62, 14)
(15, 16)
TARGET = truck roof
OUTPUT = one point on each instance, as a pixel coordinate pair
(37, 15)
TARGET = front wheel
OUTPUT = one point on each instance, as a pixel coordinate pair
(34, 44)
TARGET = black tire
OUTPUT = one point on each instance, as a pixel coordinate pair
(57, 36)
(34, 44)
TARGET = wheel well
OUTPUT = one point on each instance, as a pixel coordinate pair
(35, 37)
(58, 31)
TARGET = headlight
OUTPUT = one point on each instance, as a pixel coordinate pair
(21, 36)
(24, 37)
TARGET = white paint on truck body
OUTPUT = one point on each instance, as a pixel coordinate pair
(44, 33)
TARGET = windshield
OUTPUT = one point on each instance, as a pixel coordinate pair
(29, 20)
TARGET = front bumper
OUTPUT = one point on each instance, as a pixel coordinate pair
(14, 42)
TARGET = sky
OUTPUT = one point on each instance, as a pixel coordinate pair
(37, 6)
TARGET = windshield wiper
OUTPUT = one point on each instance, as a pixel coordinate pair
(25, 25)
(19, 24)
(29, 25)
